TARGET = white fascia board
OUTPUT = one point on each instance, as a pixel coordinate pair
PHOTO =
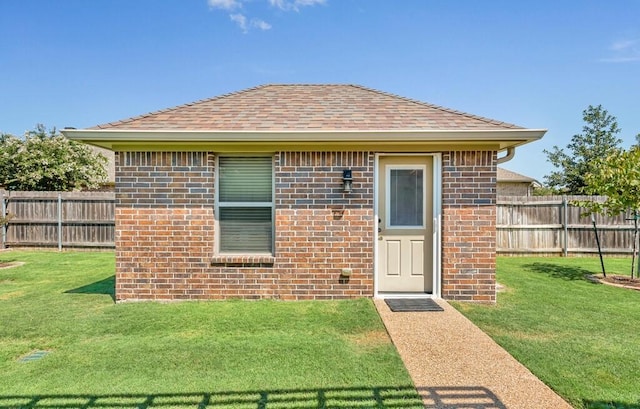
(160, 135)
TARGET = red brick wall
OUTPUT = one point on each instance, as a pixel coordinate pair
(321, 230)
(469, 226)
(165, 230)
(164, 224)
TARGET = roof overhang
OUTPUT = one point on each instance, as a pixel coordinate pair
(272, 140)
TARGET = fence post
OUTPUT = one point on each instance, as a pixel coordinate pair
(59, 221)
(565, 225)
(4, 214)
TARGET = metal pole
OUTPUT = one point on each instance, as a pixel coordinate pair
(635, 243)
(634, 251)
(595, 230)
(59, 221)
(565, 225)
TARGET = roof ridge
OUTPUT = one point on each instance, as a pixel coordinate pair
(439, 107)
(174, 108)
(307, 84)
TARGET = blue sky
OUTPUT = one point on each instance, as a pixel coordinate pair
(537, 64)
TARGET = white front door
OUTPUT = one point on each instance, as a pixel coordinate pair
(405, 224)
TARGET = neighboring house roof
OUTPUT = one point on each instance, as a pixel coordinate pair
(509, 176)
(305, 107)
(505, 175)
(343, 116)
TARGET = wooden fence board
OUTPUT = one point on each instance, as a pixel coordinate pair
(60, 219)
(554, 225)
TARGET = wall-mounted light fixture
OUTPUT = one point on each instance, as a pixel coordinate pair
(347, 179)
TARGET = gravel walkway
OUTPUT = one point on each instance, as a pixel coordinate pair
(454, 365)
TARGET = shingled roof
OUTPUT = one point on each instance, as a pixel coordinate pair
(307, 108)
(506, 175)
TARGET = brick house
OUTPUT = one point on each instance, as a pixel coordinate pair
(306, 192)
(511, 183)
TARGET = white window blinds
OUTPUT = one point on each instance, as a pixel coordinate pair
(245, 204)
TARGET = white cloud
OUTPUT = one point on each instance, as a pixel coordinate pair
(246, 23)
(625, 50)
(623, 44)
(261, 24)
(309, 2)
(225, 4)
(240, 20)
(294, 4)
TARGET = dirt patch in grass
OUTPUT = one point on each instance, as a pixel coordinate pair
(522, 335)
(501, 288)
(192, 334)
(617, 281)
(9, 264)
(8, 296)
(370, 339)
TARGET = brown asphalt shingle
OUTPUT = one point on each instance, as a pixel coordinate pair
(307, 107)
(505, 175)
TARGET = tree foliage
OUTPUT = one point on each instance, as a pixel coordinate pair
(597, 140)
(45, 160)
(616, 176)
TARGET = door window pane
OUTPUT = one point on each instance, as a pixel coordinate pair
(406, 197)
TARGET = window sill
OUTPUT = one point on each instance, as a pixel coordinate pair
(243, 260)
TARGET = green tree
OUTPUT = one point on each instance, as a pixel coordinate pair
(46, 160)
(543, 191)
(597, 140)
(616, 176)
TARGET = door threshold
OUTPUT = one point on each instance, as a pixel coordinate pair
(384, 295)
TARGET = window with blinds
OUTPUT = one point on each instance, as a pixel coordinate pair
(245, 204)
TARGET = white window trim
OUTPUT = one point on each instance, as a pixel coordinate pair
(218, 205)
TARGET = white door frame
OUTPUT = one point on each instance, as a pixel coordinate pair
(436, 216)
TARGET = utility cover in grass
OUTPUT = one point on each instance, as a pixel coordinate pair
(412, 304)
(33, 356)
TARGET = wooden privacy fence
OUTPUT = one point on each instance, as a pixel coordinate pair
(551, 225)
(544, 225)
(59, 219)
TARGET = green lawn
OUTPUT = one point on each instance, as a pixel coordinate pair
(580, 338)
(183, 355)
